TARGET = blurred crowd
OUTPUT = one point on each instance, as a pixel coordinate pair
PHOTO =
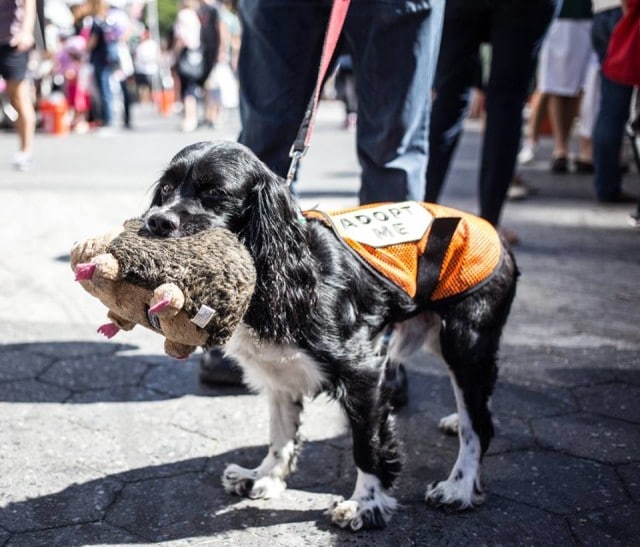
(94, 59)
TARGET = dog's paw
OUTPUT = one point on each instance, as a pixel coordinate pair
(356, 514)
(456, 494)
(450, 424)
(245, 482)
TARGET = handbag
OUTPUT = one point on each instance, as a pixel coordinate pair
(622, 61)
(191, 64)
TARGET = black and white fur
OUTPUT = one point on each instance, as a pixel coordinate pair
(315, 323)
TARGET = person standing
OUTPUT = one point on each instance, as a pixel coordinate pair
(102, 56)
(394, 46)
(564, 61)
(17, 22)
(515, 30)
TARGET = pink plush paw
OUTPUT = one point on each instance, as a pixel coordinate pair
(159, 306)
(109, 329)
(84, 271)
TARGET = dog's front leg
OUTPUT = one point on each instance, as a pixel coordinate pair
(376, 452)
(267, 480)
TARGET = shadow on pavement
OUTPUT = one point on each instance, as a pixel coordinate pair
(93, 372)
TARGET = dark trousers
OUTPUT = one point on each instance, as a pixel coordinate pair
(613, 113)
(515, 29)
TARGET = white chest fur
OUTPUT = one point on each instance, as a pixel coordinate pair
(274, 367)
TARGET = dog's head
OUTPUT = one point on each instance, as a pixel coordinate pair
(223, 184)
(206, 185)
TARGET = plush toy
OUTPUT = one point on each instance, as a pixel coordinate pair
(194, 289)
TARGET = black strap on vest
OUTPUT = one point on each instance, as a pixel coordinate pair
(430, 264)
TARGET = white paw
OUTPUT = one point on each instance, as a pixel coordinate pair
(267, 487)
(450, 424)
(457, 494)
(357, 514)
(238, 480)
(244, 482)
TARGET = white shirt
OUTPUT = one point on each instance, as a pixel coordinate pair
(187, 28)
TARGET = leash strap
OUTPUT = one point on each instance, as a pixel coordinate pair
(301, 144)
(442, 230)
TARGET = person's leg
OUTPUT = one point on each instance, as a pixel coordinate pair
(20, 97)
(539, 103)
(190, 112)
(607, 138)
(126, 103)
(613, 112)
(14, 70)
(457, 64)
(517, 30)
(277, 69)
(562, 112)
(587, 116)
(399, 38)
(103, 76)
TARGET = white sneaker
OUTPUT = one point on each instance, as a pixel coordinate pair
(527, 154)
(22, 161)
(189, 126)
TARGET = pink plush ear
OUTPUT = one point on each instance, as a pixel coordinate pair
(84, 271)
(109, 329)
(160, 305)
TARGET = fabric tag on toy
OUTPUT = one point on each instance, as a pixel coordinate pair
(204, 315)
(384, 225)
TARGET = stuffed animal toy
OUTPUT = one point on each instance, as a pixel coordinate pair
(194, 290)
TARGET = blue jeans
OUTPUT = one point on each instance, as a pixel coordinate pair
(613, 113)
(515, 29)
(102, 75)
(393, 44)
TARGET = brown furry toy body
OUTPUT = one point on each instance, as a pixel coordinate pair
(194, 290)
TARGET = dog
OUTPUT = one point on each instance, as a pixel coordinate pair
(322, 321)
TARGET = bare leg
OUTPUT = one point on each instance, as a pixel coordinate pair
(20, 96)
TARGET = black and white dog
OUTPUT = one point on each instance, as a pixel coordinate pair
(315, 323)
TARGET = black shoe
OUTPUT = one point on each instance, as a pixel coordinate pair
(620, 197)
(560, 165)
(218, 370)
(584, 167)
(395, 380)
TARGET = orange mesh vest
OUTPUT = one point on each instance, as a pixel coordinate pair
(462, 250)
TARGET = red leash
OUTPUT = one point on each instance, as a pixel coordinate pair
(301, 144)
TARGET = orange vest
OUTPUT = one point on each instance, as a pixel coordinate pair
(462, 250)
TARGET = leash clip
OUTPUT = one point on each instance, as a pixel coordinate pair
(296, 156)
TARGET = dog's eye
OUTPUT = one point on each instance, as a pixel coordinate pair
(210, 193)
(166, 189)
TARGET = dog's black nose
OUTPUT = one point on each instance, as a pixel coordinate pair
(162, 224)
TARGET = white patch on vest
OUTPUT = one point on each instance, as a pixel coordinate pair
(204, 315)
(384, 225)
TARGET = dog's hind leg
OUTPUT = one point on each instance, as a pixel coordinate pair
(267, 480)
(469, 340)
(463, 488)
(376, 452)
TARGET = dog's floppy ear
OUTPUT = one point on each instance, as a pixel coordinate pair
(286, 271)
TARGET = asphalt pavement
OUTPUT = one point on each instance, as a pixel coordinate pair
(113, 443)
